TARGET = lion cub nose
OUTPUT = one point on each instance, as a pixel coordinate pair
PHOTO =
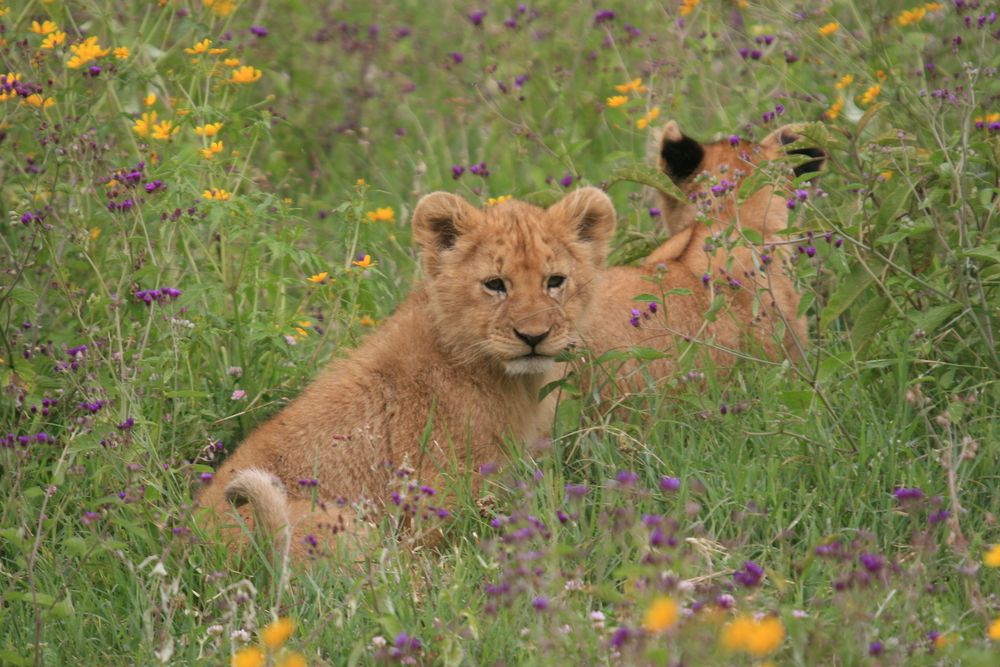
(532, 339)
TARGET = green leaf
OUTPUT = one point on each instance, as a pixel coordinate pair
(891, 206)
(847, 291)
(797, 400)
(989, 255)
(23, 296)
(9, 657)
(640, 173)
(869, 114)
(929, 320)
(867, 322)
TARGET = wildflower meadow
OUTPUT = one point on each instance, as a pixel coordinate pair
(203, 201)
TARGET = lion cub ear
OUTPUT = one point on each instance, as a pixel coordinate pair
(589, 215)
(680, 155)
(439, 219)
(774, 146)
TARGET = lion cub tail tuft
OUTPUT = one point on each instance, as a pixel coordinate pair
(266, 495)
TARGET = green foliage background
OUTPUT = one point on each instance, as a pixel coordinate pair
(100, 559)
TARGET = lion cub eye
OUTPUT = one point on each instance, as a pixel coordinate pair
(495, 285)
(556, 281)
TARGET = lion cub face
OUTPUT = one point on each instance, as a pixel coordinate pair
(512, 284)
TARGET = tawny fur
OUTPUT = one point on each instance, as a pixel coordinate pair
(761, 313)
(449, 357)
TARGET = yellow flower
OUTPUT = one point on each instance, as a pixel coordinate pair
(122, 52)
(143, 125)
(869, 95)
(43, 28)
(208, 130)
(217, 51)
(880, 74)
(616, 101)
(992, 557)
(687, 6)
(367, 321)
(251, 656)
(231, 62)
(911, 16)
(661, 615)
(199, 48)
(835, 108)
(650, 116)
(633, 85)
(220, 7)
(993, 632)
(164, 130)
(50, 42)
(845, 81)
(277, 633)
(492, 201)
(944, 640)
(36, 100)
(3, 12)
(210, 152)
(364, 262)
(84, 52)
(829, 28)
(319, 277)
(758, 638)
(886, 175)
(385, 214)
(933, 6)
(94, 233)
(216, 193)
(245, 74)
(359, 183)
(292, 659)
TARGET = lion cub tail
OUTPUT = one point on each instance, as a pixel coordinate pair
(268, 498)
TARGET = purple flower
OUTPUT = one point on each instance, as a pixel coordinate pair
(939, 516)
(476, 16)
(705, 279)
(540, 603)
(904, 494)
(427, 490)
(750, 576)
(871, 562)
(258, 30)
(456, 171)
(403, 32)
(734, 140)
(576, 490)
(94, 70)
(520, 80)
(620, 636)
(670, 484)
(603, 16)
(875, 648)
(655, 212)
(566, 180)
(626, 477)
(457, 57)
(779, 109)
(206, 477)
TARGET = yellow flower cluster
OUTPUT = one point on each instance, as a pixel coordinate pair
(208, 129)
(829, 28)
(213, 149)
(11, 78)
(687, 6)
(911, 16)
(221, 8)
(245, 74)
(845, 81)
(648, 118)
(616, 101)
(365, 262)
(203, 47)
(38, 101)
(661, 615)
(869, 95)
(273, 637)
(217, 194)
(44, 28)
(86, 51)
(992, 557)
(493, 201)
(385, 214)
(758, 638)
(633, 86)
(54, 39)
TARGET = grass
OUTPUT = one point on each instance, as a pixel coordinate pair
(366, 107)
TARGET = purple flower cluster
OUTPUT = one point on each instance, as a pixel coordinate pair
(750, 576)
(10, 440)
(161, 295)
(798, 196)
(636, 315)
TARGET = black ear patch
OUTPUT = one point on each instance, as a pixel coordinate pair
(681, 158)
(444, 231)
(812, 165)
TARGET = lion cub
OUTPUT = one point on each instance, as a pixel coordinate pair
(463, 358)
(694, 267)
